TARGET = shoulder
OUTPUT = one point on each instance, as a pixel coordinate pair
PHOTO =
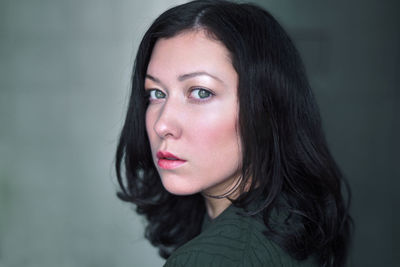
(232, 240)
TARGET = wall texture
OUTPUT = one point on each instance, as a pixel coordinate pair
(64, 81)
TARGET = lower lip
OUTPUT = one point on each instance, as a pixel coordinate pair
(170, 164)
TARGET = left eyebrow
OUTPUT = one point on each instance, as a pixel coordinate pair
(198, 73)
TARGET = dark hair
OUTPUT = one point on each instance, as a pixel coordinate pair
(285, 154)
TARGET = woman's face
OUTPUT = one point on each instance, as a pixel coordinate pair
(192, 114)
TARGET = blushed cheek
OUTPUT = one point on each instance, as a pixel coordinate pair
(216, 137)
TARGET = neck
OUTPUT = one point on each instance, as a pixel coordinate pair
(216, 206)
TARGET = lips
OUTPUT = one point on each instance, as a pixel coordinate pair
(168, 160)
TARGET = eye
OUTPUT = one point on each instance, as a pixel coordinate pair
(200, 93)
(156, 94)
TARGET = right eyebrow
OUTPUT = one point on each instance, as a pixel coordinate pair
(154, 79)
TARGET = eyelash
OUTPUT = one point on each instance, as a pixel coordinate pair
(193, 99)
(202, 100)
(148, 94)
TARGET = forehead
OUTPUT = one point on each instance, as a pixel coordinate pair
(189, 52)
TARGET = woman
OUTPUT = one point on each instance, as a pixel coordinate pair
(222, 146)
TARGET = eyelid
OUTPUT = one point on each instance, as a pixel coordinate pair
(201, 88)
(148, 92)
(212, 94)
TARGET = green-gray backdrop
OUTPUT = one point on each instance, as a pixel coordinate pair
(64, 81)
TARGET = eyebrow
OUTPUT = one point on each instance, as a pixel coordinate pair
(186, 76)
(154, 79)
(198, 73)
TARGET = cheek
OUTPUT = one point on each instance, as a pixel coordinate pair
(215, 138)
(214, 133)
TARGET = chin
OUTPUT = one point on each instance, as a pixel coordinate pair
(179, 188)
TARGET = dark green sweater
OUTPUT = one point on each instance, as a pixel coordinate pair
(232, 240)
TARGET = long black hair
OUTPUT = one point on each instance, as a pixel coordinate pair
(285, 157)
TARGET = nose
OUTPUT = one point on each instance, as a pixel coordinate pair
(168, 124)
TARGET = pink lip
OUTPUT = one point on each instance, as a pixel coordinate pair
(168, 160)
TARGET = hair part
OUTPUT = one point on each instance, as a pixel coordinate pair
(285, 157)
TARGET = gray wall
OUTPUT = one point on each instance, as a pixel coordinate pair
(64, 80)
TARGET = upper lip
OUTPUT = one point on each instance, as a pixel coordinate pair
(166, 154)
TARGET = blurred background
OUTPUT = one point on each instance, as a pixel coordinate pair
(64, 82)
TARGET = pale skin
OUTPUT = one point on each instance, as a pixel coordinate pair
(193, 114)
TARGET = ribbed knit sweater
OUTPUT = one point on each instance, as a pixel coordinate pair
(232, 240)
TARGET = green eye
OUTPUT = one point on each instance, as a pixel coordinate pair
(156, 94)
(201, 93)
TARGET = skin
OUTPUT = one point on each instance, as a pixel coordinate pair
(193, 114)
